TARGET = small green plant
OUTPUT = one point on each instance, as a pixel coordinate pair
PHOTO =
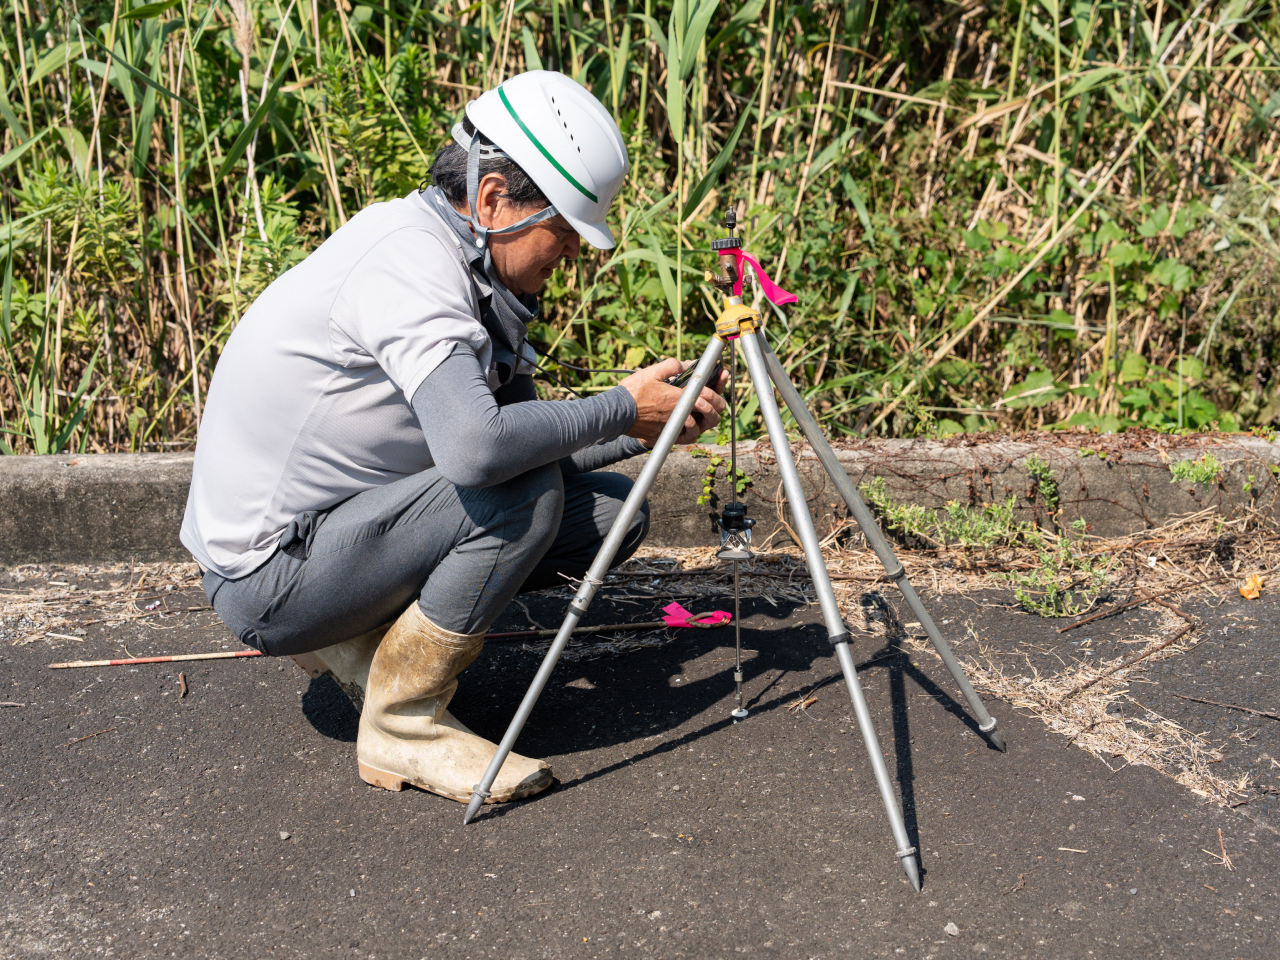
(991, 525)
(994, 525)
(1063, 583)
(1248, 484)
(1046, 486)
(905, 520)
(1203, 471)
(714, 461)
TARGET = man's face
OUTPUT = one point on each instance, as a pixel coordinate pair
(526, 259)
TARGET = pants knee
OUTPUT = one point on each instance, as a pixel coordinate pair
(532, 505)
(617, 488)
(639, 529)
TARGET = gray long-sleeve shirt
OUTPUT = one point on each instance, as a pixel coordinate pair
(479, 437)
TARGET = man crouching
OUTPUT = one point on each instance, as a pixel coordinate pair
(375, 477)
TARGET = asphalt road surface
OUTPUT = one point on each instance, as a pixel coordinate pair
(231, 823)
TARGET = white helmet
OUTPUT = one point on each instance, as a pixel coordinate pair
(562, 137)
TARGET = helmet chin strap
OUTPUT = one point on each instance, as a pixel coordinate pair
(474, 152)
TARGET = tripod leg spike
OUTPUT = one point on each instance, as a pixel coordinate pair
(473, 807)
(912, 870)
(995, 737)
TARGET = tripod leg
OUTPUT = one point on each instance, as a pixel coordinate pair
(599, 567)
(871, 530)
(836, 630)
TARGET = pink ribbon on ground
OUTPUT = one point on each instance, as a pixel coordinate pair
(771, 290)
(678, 616)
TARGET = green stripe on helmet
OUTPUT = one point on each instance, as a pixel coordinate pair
(543, 150)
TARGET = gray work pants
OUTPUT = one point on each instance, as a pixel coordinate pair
(462, 553)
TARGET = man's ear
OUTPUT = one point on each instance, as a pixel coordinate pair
(489, 197)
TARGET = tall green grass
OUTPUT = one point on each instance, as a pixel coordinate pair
(996, 215)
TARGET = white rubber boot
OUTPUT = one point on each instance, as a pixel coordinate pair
(407, 735)
(347, 663)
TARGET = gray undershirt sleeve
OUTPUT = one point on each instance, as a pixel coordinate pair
(478, 440)
(603, 454)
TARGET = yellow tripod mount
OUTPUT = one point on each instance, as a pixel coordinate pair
(736, 320)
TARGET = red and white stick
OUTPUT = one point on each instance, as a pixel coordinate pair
(125, 663)
(677, 616)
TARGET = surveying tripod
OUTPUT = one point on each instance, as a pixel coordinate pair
(740, 325)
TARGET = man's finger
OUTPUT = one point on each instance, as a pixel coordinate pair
(716, 401)
(665, 368)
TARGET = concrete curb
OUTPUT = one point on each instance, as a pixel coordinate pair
(97, 508)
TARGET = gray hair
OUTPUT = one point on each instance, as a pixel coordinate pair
(449, 173)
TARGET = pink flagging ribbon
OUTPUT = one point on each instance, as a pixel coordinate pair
(771, 290)
(678, 616)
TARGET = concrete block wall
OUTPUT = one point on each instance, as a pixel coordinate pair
(129, 506)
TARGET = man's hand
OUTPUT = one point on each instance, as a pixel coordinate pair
(656, 399)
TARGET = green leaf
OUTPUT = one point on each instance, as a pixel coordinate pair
(993, 231)
(722, 159)
(1037, 390)
(242, 142)
(1170, 273)
(693, 35)
(13, 155)
(1126, 254)
(531, 59)
(1187, 219)
(854, 192)
(975, 241)
(675, 85)
(60, 56)
(1007, 260)
(833, 149)
(655, 30)
(6, 110)
(1190, 368)
(1155, 223)
(142, 78)
(1047, 37)
(76, 146)
(664, 272)
(749, 12)
(6, 302)
(1094, 78)
(148, 10)
(1133, 368)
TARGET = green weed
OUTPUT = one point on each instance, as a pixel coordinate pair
(714, 462)
(1062, 583)
(1045, 486)
(1204, 471)
(987, 527)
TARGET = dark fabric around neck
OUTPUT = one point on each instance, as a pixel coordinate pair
(504, 315)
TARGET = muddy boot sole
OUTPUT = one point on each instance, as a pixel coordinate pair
(394, 782)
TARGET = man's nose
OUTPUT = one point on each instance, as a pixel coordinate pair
(572, 247)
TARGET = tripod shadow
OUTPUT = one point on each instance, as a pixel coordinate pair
(609, 702)
(897, 663)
